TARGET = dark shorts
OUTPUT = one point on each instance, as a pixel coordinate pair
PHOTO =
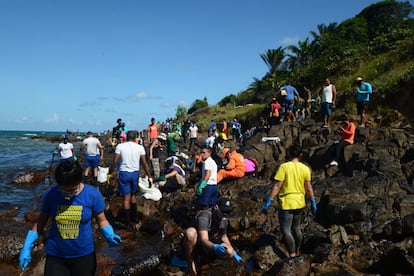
(362, 107)
(66, 159)
(326, 109)
(92, 161)
(209, 196)
(128, 182)
(289, 105)
(85, 265)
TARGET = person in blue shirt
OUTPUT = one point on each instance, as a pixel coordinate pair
(363, 97)
(289, 101)
(70, 205)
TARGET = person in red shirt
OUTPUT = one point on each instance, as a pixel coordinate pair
(152, 131)
(275, 112)
(347, 130)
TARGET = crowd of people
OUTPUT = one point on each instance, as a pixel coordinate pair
(72, 203)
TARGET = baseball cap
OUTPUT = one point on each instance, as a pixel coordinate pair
(224, 152)
(359, 79)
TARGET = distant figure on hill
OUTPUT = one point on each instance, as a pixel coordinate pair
(308, 102)
(363, 97)
(289, 102)
(328, 92)
(193, 132)
(275, 109)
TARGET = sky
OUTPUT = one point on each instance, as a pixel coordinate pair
(82, 64)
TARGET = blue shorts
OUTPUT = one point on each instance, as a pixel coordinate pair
(209, 196)
(92, 161)
(326, 109)
(289, 105)
(128, 182)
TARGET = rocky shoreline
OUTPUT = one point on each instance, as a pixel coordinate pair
(364, 224)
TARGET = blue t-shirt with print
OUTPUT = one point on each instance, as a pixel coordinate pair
(70, 234)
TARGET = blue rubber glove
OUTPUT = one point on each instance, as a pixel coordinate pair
(24, 257)
(237, 257)
(266, 206)
(313, 205)
(202, 185)
(109, 234)
(220, 249)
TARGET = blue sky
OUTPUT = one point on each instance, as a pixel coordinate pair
(80, 65)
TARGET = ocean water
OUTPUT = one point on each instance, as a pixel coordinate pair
(21, 152)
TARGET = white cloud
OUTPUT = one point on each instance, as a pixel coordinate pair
(22, 119)
(53, 119)
(289, 40)
(139, 96)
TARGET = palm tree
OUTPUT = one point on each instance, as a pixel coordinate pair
(273, 59)
(301, 55)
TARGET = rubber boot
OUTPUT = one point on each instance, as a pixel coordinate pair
(134, 212)
(95, 181)
(128, 224)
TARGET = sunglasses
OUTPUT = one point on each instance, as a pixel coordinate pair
(68, 194)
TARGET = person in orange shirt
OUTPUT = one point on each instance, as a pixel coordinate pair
(152, 131)
(347, 138)
(235, 168)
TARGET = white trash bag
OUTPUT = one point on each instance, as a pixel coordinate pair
(103, 174)
(152, 193)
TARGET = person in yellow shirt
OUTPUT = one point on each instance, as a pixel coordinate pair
(293, 182)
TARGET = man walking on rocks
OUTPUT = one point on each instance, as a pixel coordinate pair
(94, 154)
(131, 155)
(328, 92)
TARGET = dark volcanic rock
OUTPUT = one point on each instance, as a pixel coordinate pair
(364, 224)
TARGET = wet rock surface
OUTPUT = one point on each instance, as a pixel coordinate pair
(364, 224)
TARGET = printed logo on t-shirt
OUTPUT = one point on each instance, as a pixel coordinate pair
(68, 220)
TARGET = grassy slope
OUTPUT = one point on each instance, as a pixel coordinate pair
(392, 76)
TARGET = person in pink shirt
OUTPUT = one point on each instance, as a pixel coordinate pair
(347, 130)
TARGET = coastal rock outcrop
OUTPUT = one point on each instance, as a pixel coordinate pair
(364, 223)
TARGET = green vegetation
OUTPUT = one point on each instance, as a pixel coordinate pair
(376, 44)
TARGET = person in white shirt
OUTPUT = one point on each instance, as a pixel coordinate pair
(94, 154)
(210, 140)
(65, 149)
(130, 155)
(328, 92)
(193, 135)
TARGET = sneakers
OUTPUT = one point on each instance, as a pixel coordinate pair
(333, 163)
(325, 126)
